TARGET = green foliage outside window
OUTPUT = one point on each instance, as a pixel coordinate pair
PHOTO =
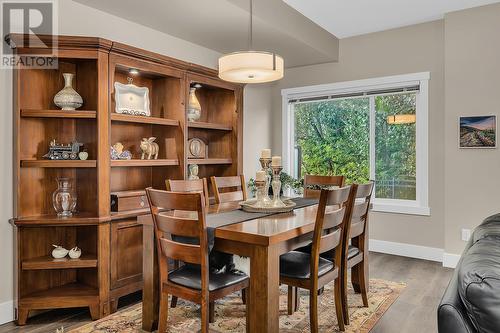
(334, 139)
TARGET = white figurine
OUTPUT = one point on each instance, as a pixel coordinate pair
(59, 252)
(193, 172)
(75, 253)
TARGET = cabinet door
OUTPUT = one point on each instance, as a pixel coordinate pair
(126, 253)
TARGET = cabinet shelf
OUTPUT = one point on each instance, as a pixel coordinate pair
(203, 161)
(68, 295)
(47, 262)
(58, 164)
(144, 163)
(210, 126)
(54, 220)
(33, 113)
(143, 120)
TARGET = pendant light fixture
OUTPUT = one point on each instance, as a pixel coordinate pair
(251, 66)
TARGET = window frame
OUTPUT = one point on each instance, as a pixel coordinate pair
(420, 206)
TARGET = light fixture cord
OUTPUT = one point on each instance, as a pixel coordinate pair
(250, 35)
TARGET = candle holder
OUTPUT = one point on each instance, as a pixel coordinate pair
(277, 186)
(261, 195)
(265, 164)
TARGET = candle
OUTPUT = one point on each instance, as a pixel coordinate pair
(276, 161)
(260, 176)
(265, 153)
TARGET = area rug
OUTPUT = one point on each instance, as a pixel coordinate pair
(230, 313)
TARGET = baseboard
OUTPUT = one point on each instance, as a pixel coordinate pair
(450, 260)
(407, 250)
(6, 312)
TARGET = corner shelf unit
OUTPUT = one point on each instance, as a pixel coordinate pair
(107, 239)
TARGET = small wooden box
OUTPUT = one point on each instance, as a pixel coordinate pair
(128, 200)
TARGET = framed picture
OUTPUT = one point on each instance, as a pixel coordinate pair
(478, 132)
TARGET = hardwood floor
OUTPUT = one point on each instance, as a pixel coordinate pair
(413, 311)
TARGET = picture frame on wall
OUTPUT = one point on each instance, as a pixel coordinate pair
(477, 131)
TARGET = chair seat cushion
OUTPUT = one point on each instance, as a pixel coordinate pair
(296, 265)
(190, 276)
(352, 251)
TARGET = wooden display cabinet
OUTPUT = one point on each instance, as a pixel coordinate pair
(111, 242)
(166, 123)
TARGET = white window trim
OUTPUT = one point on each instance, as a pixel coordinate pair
(420, 206)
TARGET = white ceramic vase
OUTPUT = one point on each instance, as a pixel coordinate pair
(68, 98)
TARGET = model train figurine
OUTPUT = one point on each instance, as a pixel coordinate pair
(62, 151)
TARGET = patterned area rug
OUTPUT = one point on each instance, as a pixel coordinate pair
(230, 313)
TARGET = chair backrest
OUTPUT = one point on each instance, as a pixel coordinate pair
(331, 217)
(359, 216)
(180, 214)
(313, 184)
(228, 189)
(193, 185)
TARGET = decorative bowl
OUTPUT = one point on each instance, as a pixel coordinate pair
(249, 206)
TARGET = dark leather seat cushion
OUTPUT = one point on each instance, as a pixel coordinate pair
(479, 283)
(352, 251)
(296, 265)
(190, 276)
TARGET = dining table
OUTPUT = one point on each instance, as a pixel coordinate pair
(262, 239)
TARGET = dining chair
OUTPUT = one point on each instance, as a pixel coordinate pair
(314, 183)
(184, 215)
(228, 189)
(311, 271)
(355, 254)
(192, 185)
(312, 189)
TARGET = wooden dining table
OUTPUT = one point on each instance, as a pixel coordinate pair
(263, 240)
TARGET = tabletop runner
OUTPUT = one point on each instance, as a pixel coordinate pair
(218, 220)
(215, 221)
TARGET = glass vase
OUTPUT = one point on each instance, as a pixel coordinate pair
(68, 98)
(64, 198)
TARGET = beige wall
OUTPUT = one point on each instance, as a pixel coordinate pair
(257, 126)
(472, 73)
(77, 19)
(412, 49)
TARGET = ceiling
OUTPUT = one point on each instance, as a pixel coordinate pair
(222, 25)
(346, 18)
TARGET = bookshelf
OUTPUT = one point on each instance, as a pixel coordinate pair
(111, 242)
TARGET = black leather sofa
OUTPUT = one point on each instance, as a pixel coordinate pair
(471, 302)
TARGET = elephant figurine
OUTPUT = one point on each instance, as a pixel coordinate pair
(149, 148)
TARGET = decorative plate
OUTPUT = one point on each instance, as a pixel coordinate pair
(248, 206)
(131, 99)
(197, 148)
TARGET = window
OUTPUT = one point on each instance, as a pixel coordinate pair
(370, 129)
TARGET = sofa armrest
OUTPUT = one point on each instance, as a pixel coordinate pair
(452, 315)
